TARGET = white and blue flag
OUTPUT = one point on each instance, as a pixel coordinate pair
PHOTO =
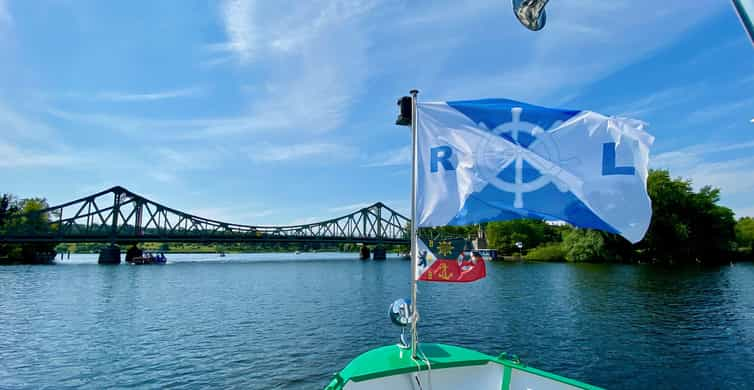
(498, 159)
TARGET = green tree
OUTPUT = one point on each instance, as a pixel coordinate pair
(686, 226)
(24, 216)
(547, 252)
(8, 209)
(583, 245)
(465, 231)
(745, 233)
(531, 232)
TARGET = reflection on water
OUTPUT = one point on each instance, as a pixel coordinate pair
(289, 321)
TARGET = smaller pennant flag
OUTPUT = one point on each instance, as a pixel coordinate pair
(448, 261)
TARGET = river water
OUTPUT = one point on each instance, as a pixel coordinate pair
(285, 321)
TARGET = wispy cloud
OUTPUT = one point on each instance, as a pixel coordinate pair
(149, 96)
(395, 157)
(319, 52)
(278, 153)
(712, 164)
(304, 221)
(689, 156)
(241, 34)
(17, 125)
(743, 107)
(167, 128)
(185, 158)
(733, 176)
(5, 17)
(171, 164)
(287, 29)
(162, 176)
(658, 100)
(12, 156)
(349, 208)
(714, 52)
(240, 214)
(728, 167)
(586, 42)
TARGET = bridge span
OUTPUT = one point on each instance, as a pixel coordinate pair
(119, 216)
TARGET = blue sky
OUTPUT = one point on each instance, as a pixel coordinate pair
(281, 112)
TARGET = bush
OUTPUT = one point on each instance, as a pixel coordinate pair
(547, 252)
(583, 245)
(532, 233)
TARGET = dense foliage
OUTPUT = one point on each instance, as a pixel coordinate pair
(547, 252)
(687, 227)
(584, 246)
(745, 233)
(532, 233)
(23, 215)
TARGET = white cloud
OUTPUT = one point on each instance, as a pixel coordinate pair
(400, 156)
(5, 17)
(170, 164)
(241, 34)
(287, 28)
(165, 128)
(722, 110)
(149, 96)
(240, 214)
(658, 100)
(304, 221)
(687, 157)
(19, 126)
(584, 41)
(711, 164)
(349, 208)
(89, 189)
(277, 153)
(189, 158)
(161, 176)
(315, 59)
(12, 156)
(728, 167)
(732, 176)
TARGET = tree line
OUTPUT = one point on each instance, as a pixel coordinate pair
(20, 214)
(687, 226)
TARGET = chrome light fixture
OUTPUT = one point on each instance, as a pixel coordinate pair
(400, 312)
(531, 13)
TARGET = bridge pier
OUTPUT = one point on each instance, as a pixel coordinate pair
(109, 255)
(379, 253)
(364, 252)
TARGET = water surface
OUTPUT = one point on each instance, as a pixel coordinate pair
(285, 321)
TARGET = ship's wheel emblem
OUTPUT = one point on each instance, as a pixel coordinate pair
(532, 152)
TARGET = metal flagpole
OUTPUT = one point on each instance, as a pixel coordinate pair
(414, 169)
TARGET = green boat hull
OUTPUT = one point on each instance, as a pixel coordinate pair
(450, 367)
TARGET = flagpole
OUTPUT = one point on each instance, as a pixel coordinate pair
(414, 169)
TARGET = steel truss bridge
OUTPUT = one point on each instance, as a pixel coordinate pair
(119, 216)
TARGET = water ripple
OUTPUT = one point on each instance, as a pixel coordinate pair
(281, 322)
